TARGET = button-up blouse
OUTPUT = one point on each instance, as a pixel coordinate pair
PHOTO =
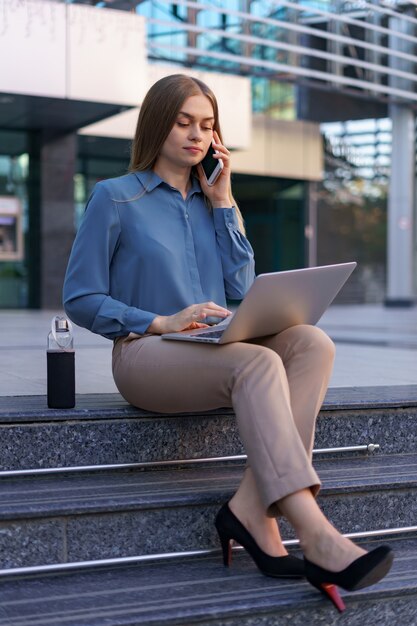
(142, 250)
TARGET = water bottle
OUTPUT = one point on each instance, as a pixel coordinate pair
(60, 358)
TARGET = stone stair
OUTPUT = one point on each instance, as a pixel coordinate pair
(107, 513)
(197, 590)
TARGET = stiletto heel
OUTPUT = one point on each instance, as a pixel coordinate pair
(332, 592)
(226, 549)
(229, 528)
(364, 571)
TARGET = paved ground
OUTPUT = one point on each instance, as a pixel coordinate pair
(375, 346)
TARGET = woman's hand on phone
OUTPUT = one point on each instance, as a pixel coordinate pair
(218, 194)
(189, 318)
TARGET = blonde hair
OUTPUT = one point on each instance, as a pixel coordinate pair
(157, 116)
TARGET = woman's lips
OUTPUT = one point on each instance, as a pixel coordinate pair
(193, 150)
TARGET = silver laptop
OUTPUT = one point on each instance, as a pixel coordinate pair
(275, 302)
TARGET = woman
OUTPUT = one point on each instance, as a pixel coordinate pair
(159, 251)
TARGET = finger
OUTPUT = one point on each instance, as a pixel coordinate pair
(202, 178)
(222, 150)
(195, 325)
(200, 172)
(213, 313)
(217, 144)
(224, 155)
(207, 309)
(213, 305)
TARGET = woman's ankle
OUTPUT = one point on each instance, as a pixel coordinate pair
(263, 529)
(330, 550)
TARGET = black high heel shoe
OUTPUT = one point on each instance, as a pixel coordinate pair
(364, 571)
(229, 527)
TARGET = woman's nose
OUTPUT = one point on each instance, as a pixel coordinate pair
(195, 132)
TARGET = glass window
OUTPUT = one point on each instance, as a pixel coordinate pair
(14, 164)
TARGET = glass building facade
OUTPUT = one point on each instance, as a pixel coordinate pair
(330, 62)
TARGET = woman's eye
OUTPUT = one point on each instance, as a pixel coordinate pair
(182, 124)
(207, 128)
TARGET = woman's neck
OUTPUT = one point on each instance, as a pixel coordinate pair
(178, 178)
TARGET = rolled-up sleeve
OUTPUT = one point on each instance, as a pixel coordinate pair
(236, 254)
(86, 292)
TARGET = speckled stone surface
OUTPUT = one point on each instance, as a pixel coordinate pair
(112, 514)
(395, 429)
(127, 513)
(359, 512)
(112, 405)
(90, 439)
(143, 532)
(99, 492)
(25, 543)
(117, 441)
(192, 528)
(184, 592)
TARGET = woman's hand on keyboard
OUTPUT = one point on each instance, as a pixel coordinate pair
(189, 318)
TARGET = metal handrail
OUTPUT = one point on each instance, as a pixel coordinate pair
(144, 558)
(370, 447)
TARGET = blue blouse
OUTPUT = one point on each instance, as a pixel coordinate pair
(142, 250)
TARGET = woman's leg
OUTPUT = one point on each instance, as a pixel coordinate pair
(320, 542)
(248, 507)
(307, 354)
(169, 376)
(159, 375)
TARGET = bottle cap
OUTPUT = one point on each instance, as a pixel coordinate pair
(61, 324)
(61, 329)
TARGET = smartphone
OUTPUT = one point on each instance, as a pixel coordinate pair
(212, 168)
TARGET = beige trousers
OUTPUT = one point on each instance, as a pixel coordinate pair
(276, 386)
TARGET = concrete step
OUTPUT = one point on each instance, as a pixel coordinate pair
(200, 590)
(78, 517)
(104, 429)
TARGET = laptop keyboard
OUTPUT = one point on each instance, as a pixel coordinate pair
(213, 334)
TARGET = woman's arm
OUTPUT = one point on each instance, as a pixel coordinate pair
(87, 298)
(236, 253)
(235, 250)
(86, 294)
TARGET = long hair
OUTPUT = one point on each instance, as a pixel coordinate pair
(158, 115)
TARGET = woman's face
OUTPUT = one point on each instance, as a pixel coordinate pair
(191, 135)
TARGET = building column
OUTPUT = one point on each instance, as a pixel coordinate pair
(58, 166)
(33, 234)
(310, 221)
(400, 262)
(400, 252)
